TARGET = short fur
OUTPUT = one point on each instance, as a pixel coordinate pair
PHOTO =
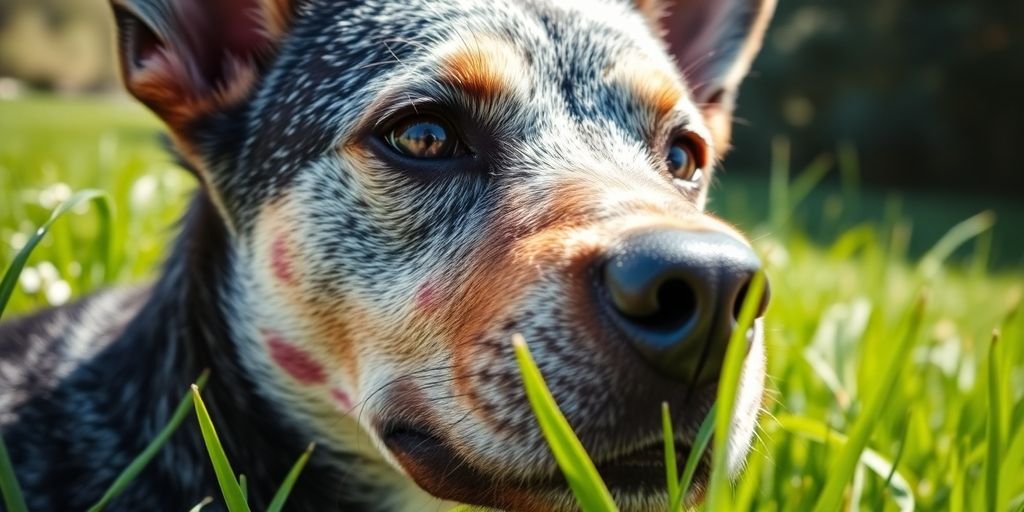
(340, 294)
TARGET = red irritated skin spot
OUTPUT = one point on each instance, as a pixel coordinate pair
(296, 362)
(280, 260)
(342, 398)
(426, 297)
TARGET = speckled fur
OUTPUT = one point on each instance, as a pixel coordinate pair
(405, 286)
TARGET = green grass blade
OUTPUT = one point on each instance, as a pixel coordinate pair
(778, 189)
(954, 238)
(804, 184)
(668, 435)
(277, 503)
(229, 487)
(1013, 455)
(584, 480)
(700, 445)
(14, 500)
(994, 436)
(819, 432)
(10, 280)
(846, 463)
(139, 463)
(895, 464)
(243, 484)
(719, 490)
(199, 506)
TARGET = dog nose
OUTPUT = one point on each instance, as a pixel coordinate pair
(676, 295)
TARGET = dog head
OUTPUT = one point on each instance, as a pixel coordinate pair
(408, 185)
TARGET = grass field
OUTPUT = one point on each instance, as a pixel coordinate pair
(945, 432)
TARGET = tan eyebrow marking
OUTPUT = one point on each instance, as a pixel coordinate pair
(483, 67)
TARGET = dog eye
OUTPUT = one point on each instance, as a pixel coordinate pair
(423, 137)
(683, 160)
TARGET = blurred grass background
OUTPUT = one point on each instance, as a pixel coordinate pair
(876, 128)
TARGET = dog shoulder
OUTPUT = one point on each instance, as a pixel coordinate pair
(36, 350)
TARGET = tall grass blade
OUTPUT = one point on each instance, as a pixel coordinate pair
(277, 503)
(229, 487)
(10, 280)
(953, 239)
(669, 438)
(1013, 456)
(199, 506)
(778, 187)
(819, 432)
(850, 454)
(811, 176)
(895, 463)
(993, 432)
(139, 463)
(719, 490)
(700, 445)
(14, 500)
(849, 173)
(584, 480)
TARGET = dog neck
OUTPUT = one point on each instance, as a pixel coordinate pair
(179, 333)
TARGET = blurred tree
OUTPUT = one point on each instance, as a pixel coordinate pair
(931, 92)
(64, 45)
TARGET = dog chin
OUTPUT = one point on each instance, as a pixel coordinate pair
(636, 479)
(636, 482)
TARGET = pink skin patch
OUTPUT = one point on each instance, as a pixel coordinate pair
(342, 398)
(280, 261)
(426, 297)
(295, 361)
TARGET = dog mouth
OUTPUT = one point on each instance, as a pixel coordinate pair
(442, 471)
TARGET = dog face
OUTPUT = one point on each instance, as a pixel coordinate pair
(409, 186)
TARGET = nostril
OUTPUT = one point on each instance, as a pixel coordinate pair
(676, 307)
(741, 297)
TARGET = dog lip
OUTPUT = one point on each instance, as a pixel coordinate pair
(438, 468)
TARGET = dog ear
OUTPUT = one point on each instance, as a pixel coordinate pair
(188, 58)
(714, 43)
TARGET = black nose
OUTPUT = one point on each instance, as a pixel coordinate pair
(676, 296)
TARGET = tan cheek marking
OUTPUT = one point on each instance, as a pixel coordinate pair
(296, 362)
(330, 323)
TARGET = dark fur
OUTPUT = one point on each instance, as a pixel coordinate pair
(73, 433)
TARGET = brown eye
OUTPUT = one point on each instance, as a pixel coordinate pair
(682, 160)
(423, 137)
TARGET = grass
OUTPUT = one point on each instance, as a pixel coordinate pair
(879, 399)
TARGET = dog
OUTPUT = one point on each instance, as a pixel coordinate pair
(388, 193)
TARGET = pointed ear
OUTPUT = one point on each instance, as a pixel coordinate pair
(714, 41)
(188, 58)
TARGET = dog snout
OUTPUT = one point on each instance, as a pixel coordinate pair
(675, 295)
